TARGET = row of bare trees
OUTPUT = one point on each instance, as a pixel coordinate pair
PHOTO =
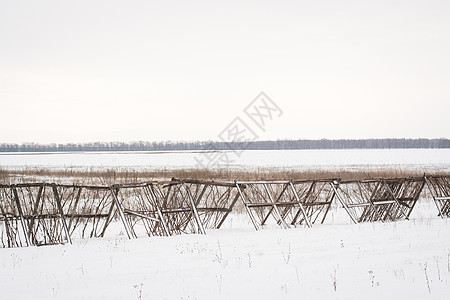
(217, 145)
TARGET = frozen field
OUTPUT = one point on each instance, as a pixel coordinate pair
(338, 260)
(428, 160)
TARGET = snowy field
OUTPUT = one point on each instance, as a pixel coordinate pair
(337, 260)
(427, 160)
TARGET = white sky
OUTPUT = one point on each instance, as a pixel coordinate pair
(80, 71)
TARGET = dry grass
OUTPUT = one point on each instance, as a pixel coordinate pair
(109, 176)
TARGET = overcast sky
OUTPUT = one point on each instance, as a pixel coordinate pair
(81, 71)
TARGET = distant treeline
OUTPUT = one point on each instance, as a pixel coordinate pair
(214, 145)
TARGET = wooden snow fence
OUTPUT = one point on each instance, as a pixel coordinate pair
(290, 203)
(174, 207)
(48, 213)
(45, 214)
(384, 199)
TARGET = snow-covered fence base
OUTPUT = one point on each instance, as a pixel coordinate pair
(439, 187)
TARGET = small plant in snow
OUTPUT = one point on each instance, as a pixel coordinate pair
(342, 244)
(238, 261)
(218, 254)
(138, 288)
(437, 268)
(372, 279)
(399, 273)
(82, 269)
(219, 282)
(427, 280)
(334, 277)
(249, 260)
(17, 261)
(287, 257)
(284, 288)
(54, 292)
(448, 260)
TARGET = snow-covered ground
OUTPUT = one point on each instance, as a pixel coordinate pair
(427, 160)
(337, 260)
